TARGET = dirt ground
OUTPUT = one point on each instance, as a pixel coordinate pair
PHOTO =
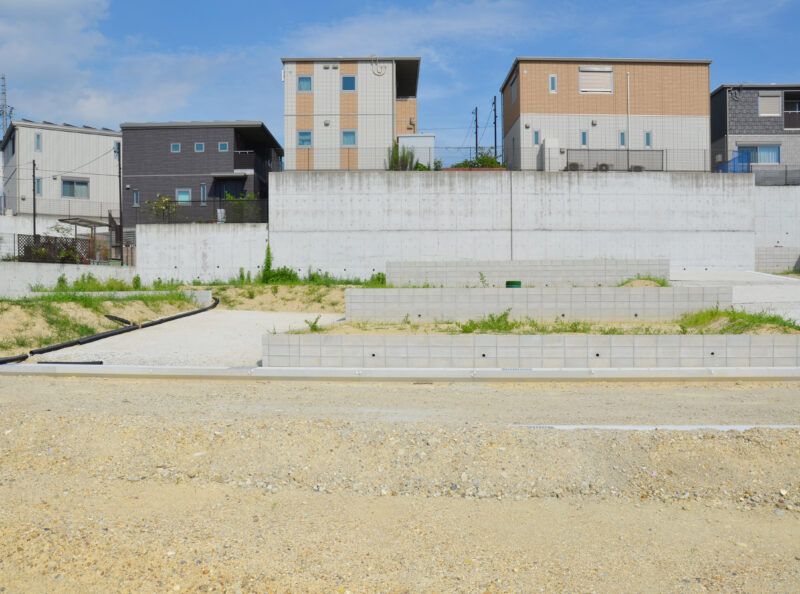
(282, 298)
(169, 486)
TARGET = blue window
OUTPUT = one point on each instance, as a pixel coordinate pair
(762, 154)
(175, 147)
(303, 84)
(183, 195)
(622, 138)
(38, 186)
(584, 137)
(37, 141)
(648, 139)
(136, 197)
(304, 138)
(554, 83)
(223, 147)
(203, 194)
(74, 188)
(348, 137)
(535, 138)
(199, 147)
(348, 83)
(117, 148)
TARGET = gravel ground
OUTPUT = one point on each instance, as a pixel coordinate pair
(218, 338)
(157, 485)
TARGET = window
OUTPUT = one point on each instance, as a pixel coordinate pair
(584, 138)
(348, 82)
(199, 147)
(769, 104)
(554, 83)
(12, 144)
(37, 142)
(38, 186)
(203, 194)
(763, 153)
(303, 84)
(183, 195)
(304, 138)
(117, 148)
(596, 79)
(73, 188)
(348, 137)
(535, 138)
(223, 147)
(175, 147)
(514, 90)
(136, 198)
(622, 139)
(648, 140)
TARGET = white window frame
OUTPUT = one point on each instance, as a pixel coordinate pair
(536, 138)
(623, 138)
(172, 146)
(202, 146)
(178, 190)
(584, 138)
(355, 83)
(136, 198)
(648, 135)
(223, 150)
(355, 138)
(310, 136)
(771, 95)
(203, 194)
(553, 83)
(310, 79)
(582, 69)
(37, 142)
(38, 186)
(75, 180)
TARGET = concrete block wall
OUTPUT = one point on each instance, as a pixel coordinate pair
(777, 259)
(16, 278)
(529, 351)
(540, 273)
(598, 303)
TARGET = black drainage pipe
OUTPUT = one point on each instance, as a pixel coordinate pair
(120, 320)
(17, 359)
(69, 362)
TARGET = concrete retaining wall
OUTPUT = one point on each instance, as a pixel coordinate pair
(552, 273)
(16, 278)
(516, 351)
(777, 259)
(352, 223)
(199, 252)
(607, 303)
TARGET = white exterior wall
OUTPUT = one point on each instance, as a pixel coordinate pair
(352, 223)
(685, 139)
(511, 148)
(199, 252)
(66, 154)
(326, 138)
(289, 119)
(376, 96)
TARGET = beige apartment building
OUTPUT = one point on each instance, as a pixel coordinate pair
(606, 114)
(346, 113)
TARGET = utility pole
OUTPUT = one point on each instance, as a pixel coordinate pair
(3, 101)
(118, 153)
(476, 132)
(494, 110)
(33, 185)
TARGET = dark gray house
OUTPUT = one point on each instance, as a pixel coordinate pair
(755, 128)
(196, 172)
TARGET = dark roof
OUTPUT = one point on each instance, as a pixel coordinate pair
(254, 126)
(771, 86)
(600, 60)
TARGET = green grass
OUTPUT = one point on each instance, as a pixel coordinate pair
(661, 282)
(87, 283)
(735, 322)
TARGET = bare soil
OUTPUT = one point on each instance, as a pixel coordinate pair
(171, 486)
(280, 298)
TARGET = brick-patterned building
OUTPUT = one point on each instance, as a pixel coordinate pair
(345, 113)
(591, 113)
(762, 121)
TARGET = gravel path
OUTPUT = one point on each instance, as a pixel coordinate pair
(220, 338)
(156, 485)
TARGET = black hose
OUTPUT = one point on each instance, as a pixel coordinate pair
(69, 362)
(115, 331)
(17, 359)
(122, 321)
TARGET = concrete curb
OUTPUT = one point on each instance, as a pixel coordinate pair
(410, 374)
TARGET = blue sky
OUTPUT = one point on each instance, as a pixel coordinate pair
(102, 62)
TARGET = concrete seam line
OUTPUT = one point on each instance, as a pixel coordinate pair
(414, 374)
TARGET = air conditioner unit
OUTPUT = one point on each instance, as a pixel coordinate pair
(573, 166)
(604, 167)
(637, 168)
